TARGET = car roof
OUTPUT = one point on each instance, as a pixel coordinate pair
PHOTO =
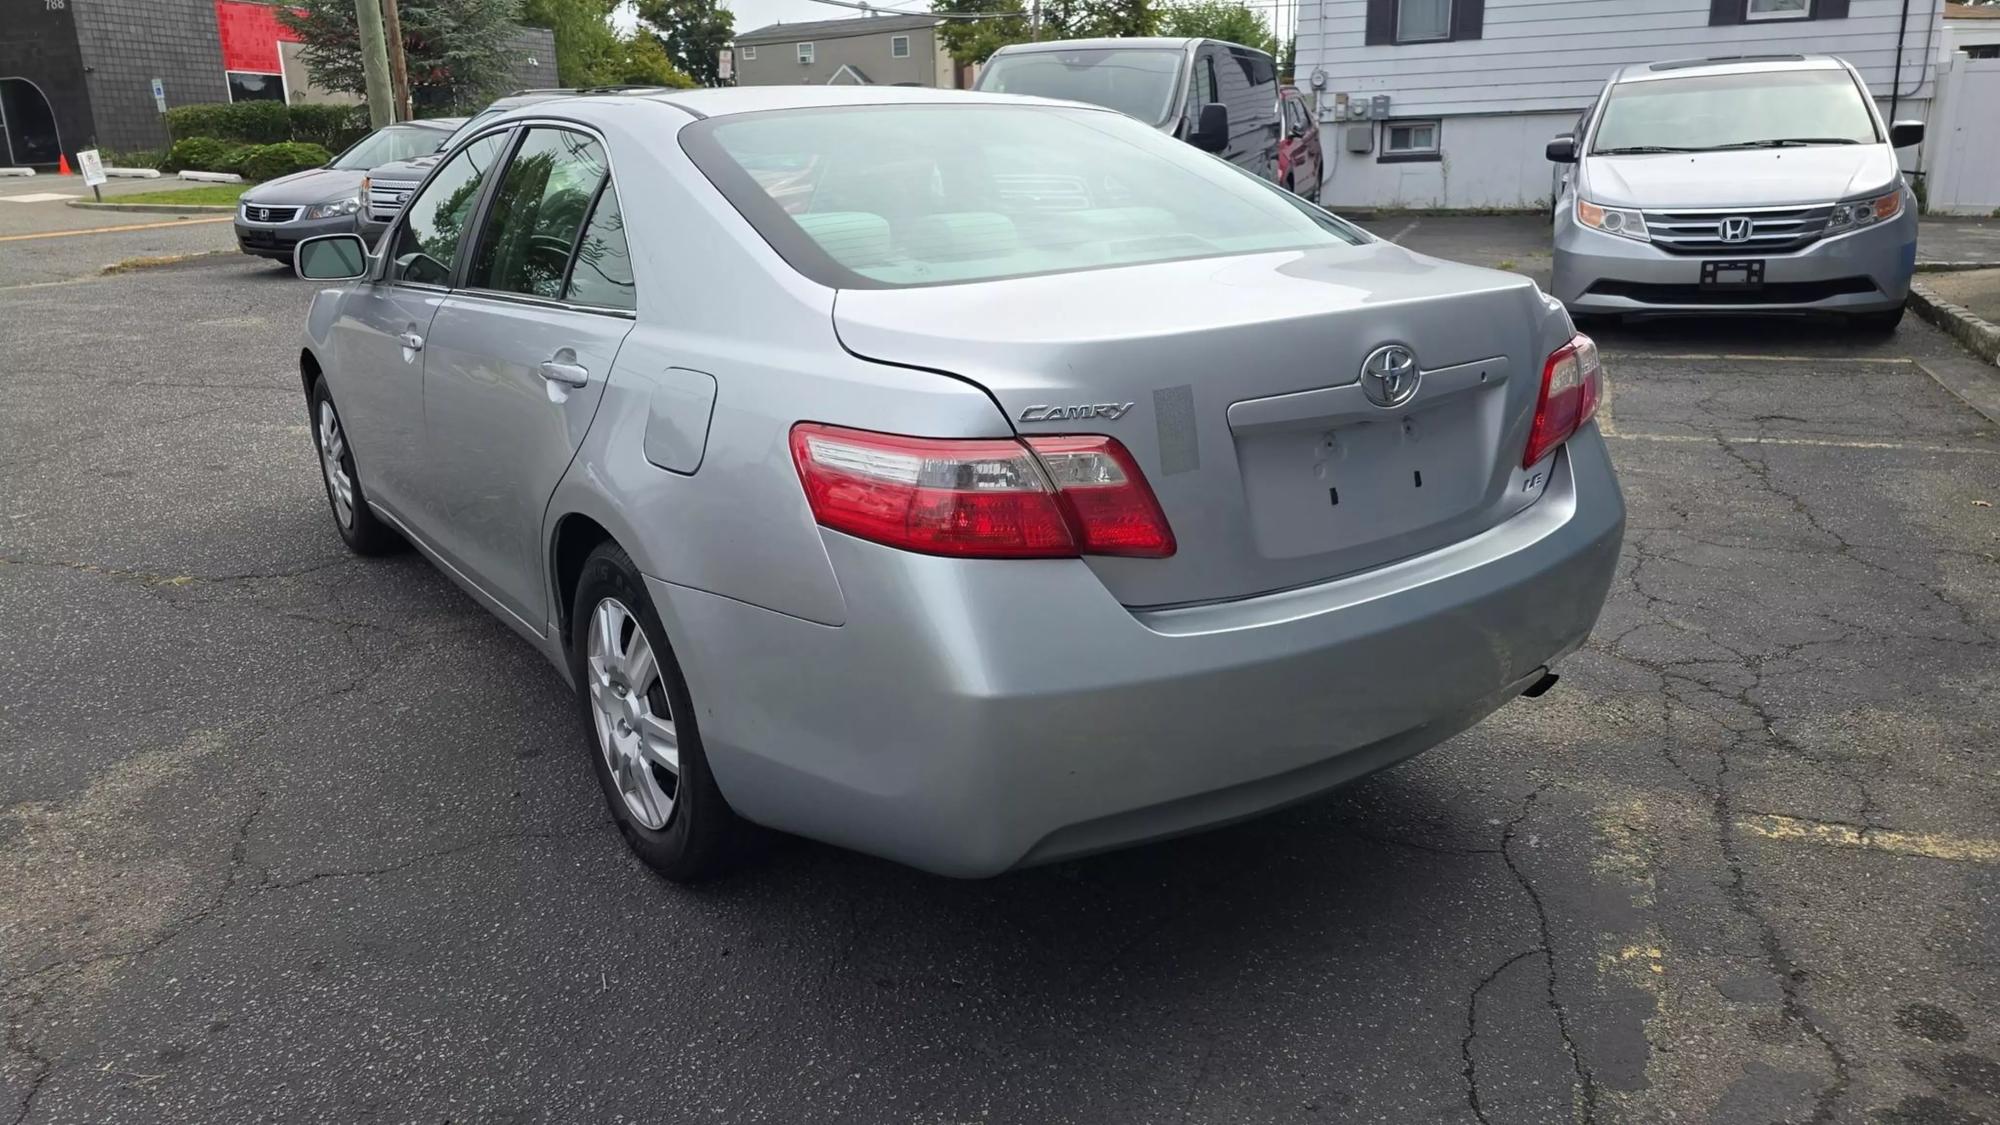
(731, 100)
(1725, 64)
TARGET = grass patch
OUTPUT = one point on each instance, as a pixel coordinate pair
(221, 195)
(155, 262)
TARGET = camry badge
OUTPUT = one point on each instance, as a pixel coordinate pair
(1109, 411)
(1389, 376)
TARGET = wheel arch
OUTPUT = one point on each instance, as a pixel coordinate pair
(575, 536)
(310, 371)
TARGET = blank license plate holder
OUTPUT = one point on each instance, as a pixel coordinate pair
(1733, 275)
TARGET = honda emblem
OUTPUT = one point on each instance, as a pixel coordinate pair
(1735, 228)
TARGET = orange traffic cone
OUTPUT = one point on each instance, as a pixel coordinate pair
(62, 164)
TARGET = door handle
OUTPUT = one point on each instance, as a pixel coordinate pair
(568, 374)
(411, 341)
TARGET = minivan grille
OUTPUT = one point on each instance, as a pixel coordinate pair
(385, 199)
(1772, 230)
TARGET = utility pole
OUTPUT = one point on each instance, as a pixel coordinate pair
(1035, 21)
(399, 64)
(374, 63)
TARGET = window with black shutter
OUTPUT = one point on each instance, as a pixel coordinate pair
(1424, 21)
(1725, 13)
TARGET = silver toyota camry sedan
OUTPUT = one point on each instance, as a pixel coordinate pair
(970, 480)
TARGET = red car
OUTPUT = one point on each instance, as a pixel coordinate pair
(1299, 165)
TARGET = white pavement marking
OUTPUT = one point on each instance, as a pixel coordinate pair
(1929, 845)
(1705, 439)
(37, 197)
(1404, 233)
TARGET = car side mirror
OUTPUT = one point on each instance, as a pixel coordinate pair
(1903, 134)
(331, 257)
(1211, 130)
(1562, 150)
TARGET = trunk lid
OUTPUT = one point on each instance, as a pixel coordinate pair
(1249, 414)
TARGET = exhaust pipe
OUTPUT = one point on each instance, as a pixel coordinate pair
(1540, 687)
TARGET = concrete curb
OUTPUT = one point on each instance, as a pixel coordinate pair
(1980, 336)
(158, 208)
(1955, 267)
(1978, 384)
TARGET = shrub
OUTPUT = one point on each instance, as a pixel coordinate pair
(257, 123)
(145, 158)
(331, 126)
(204, 154)
(268, 162)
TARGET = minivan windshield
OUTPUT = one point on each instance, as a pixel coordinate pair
(387, 146)
(1140, 81)
(1706, 112)
(890, 196)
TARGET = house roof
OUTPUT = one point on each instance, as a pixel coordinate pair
(1972, 11)
(836, 29)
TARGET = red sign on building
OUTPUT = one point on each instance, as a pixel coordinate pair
(250, 36)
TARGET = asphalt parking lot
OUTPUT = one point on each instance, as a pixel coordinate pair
(290, 836)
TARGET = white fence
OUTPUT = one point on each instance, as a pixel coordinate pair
(1962, 142)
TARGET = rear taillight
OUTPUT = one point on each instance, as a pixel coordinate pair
(1572, 386)
(1045, 498)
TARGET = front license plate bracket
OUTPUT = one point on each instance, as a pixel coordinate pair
(1732, 275)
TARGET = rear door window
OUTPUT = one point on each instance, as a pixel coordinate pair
(537, 213)
(602, 272)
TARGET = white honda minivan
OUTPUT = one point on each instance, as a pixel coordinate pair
(1754, 184)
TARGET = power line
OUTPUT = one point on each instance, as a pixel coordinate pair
(938, 15)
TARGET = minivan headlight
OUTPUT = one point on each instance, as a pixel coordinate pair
(1853, 214)
(1612, 220)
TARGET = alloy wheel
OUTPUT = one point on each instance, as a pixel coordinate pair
(628, 704)
(332, 462)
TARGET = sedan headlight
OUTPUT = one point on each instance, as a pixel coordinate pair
(1857, 213)
(334, 209)
(1612, 220)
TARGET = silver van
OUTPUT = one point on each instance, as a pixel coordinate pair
(1752, 184)
(1219, 97)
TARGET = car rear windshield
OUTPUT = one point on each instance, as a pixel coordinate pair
(1140, 81)
(387, 146)
(1704, 112)
(894, 196)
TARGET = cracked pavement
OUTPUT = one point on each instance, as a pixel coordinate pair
(289, 836)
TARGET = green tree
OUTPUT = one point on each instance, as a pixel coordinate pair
(693, 33)
(974, 41)
(642, 61)
(1219, 19)
(586, 45)
(457, 49)
(1090, 19)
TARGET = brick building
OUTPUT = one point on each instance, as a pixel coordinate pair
(78, 74)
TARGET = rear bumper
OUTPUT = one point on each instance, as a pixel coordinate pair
(1867, 271)
(278, 240)
(972, 717)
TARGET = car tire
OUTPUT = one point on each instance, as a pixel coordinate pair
(1881, 323)
(636, 715)
(363, 533)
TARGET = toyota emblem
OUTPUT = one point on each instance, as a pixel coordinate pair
(1389, 376)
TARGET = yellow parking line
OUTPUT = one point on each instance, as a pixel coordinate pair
(1929, 845)
(1735, 357)
(1710, 439)
(109, 230)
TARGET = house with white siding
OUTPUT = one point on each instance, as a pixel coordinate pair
(1449, 103)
